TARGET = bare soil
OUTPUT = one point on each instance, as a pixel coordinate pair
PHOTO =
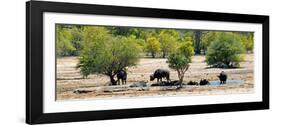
(71, 85)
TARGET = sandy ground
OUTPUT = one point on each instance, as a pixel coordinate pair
(69, 80)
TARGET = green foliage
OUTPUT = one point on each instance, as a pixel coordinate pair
(94, 38)
(76, 41)
(168, 41)
(207, 38)
(197, 41)
(180, 59)
(104, 54)
(225, 50)
(187, 49)
(248, 41)
(187, 34)
(152, 46)
(63, 41)
(123, 31)
(105, 50)
(140, 43)
(68, 40)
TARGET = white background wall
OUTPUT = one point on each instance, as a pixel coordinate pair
(12, 61)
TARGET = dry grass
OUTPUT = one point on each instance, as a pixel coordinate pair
(69, 79)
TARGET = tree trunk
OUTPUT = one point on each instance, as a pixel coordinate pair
(152, 54)
(181, 80)
(197, 40)
(163, 55)
(180, 75)
(112, 80)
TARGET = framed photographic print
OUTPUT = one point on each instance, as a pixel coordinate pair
(94, 62)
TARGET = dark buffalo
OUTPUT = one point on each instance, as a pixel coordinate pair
(82, 91)
(121, 75)
(192, 83)
(159, 74)
(222, 77)
(204, 82)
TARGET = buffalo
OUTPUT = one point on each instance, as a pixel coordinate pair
(81, 91)
(222, 77)
(204, 82)
(192, 83)
(121, 75)
(159, 74)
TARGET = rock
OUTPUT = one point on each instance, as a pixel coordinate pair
(166, 83)
(139, 84)
(220, 65)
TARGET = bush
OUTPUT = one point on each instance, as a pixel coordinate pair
(225, 51)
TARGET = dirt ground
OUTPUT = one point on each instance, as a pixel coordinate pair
(96, 86)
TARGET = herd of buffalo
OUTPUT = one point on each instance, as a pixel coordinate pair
(159, 74)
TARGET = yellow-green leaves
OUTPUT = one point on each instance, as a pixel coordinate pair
(63, 41)
(152, 46)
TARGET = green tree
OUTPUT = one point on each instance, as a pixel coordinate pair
(248, 41)
(63, 41)
(93, 39)
(207, 38)
(140, 42)
(104, 54)
(76, 40)
(180, 59)
(186, 48)
(123, 31)
(225, 51)
(152, 46)
(168, 41)
(197, 41)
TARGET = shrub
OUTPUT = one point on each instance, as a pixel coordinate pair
(225, 51)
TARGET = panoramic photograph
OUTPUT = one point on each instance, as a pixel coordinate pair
(109, 62)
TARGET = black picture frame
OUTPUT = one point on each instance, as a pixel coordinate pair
(34, 61)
